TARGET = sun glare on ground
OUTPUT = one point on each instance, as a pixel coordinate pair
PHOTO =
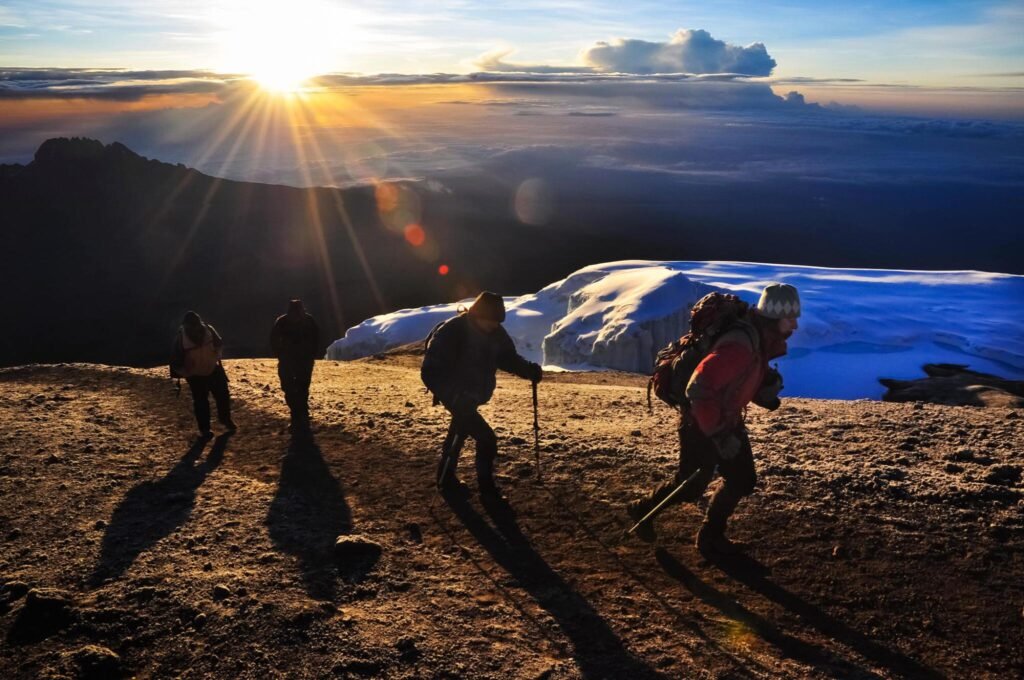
(282, 45)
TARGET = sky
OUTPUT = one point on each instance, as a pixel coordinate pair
(837, 107)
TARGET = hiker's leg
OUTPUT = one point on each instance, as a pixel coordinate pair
(695, 454)
(287, 377)
(450, 454)
(303, 378)
(740, 477)
(473, 425)
(199, 387)
(221, 394)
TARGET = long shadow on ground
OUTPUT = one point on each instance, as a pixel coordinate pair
(153, 510)
(308, 513)
(595, 646)
(752, 573)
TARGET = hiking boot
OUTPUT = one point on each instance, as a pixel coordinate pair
(229, 425)
(206, 434)
(637, 510)
(712, 542)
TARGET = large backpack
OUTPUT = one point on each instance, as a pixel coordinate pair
(711, 317)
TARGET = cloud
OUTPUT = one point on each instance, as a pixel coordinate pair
(116, 85)
(688, 51)
(493, 62)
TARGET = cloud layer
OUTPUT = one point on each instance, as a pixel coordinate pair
(688, 51)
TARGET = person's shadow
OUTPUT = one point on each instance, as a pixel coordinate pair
(153, 510)
(595, 646)
(308, 514)
(753, 574)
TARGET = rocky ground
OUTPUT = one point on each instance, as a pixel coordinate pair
(885, 540)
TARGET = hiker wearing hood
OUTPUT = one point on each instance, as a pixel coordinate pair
(294, 340)
(196, 356)
(712, 433)
(459, 366)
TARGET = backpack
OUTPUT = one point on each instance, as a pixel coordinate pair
(711, 317)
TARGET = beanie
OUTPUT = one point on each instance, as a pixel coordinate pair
(489, 306)
(779, 301)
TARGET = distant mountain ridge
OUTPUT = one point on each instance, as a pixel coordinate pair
(107, 249)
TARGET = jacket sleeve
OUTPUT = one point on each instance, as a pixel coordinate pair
(510, 360)
(438, 369)
(275, 338)
(218, 342)
(177, 363)
(714, 380)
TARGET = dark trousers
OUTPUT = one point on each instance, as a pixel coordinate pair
(469, 423)
(202, 386)
(295, 378)
(698, 458)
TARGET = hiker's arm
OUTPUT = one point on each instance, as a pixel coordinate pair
(218, 342)
(714, 380)
(275, 339)
(513, 362)
(177, 363)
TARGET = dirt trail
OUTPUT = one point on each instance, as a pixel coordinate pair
(885, 539)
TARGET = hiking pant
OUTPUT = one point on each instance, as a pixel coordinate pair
(202, 386)
(698, 457)
(295, 378)
(469, 423)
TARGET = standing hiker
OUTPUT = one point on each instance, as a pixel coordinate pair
(196, 356)
(712, 433)
(462, 357)
(294, 340)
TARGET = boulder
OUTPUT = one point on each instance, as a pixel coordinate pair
(956, 385)
(351, 548)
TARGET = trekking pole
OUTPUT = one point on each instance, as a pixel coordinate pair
(536, 434)
(657, 508)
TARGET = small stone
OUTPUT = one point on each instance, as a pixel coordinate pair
(208, 566)
(636, 433)
(221, 592)
(953, 468)
(409, 404)
(14, 590)
(407, 650)
(370, 423)
(200, 620)
(14, 534)
(53, 458)
(96, 662)
(356, 548)
(839, 552)
(100, 524)
(516, 441)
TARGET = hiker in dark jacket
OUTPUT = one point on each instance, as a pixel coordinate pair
(712, 433)
(462, 357)
(195, 356)
(294, 340)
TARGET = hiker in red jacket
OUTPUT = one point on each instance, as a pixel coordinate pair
(711, 429)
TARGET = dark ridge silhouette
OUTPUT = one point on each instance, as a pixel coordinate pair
(154, 510)
(308, 513)
(105, 249)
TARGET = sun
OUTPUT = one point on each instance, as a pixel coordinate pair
(282, 45)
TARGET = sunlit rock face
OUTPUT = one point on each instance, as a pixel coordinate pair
(623, 318)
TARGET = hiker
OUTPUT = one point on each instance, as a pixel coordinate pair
(196, 356)
(734, 373)
(294, 340)
(459, 366)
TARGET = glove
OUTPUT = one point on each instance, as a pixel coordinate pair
(728, 445)
(767, 395)
(536, 373)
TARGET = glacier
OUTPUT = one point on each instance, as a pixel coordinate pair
(857, 324)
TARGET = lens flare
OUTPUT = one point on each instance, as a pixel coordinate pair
(533, 202)
(443, 270)
(415, 235)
